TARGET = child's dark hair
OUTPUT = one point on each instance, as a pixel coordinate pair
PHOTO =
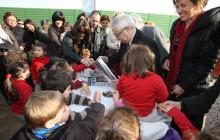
(15, 69)
(138, 60)
(62, 66)
(52, 61)
(56, 80)
(119, 124)
(41, 45)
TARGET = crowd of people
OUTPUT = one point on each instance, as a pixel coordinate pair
(39, 67)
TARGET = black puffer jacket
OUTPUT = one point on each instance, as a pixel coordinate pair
(30, 37)
(69, 46)
(199, 54)
(199, 105)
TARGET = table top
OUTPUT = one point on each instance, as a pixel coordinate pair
(149, 130)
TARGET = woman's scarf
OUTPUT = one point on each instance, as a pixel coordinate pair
(176, 52)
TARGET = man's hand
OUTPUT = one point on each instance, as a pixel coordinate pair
(177, 90)
(164, 107)
(171, 103)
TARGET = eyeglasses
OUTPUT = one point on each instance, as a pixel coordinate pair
(117, 35)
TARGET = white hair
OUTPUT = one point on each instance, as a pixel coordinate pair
(139, 22)
(122, 21)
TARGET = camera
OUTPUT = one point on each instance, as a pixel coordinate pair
(107, 94)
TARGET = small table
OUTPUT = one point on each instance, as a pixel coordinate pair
(149, 130)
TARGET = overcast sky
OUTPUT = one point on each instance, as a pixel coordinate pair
(144, 6)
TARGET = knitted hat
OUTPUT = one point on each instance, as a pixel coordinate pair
(213, 116)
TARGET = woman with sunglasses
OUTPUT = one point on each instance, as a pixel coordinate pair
(55, 32)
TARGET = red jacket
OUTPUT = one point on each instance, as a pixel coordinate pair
(36, 65)
(142, 94)
(81, 67)
(24, 90)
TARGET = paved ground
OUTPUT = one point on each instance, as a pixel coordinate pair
(8, 124)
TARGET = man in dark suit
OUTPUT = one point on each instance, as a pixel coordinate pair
(123, 27)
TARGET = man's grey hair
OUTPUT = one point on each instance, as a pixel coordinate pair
(122, 21)
(139, 22)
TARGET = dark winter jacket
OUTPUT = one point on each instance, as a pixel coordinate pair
(71, 51)
(199, 54)
(199, 105)
(141, 39)
(77, 129)
(30, 37)
(54, 47)
(18, 33)
(159, 37)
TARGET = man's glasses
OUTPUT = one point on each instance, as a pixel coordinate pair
(117, 35)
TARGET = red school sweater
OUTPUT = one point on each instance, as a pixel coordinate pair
(183, 123)
(142, 94)
(24, 90)
(81, 67)
(36, 65)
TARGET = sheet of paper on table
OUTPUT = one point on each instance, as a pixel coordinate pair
(106, 101)
(93, 77)
(105, 70)
(102, 76)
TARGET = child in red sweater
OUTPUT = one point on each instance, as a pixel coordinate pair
(18, 89)
(39, 60)
(139, 87)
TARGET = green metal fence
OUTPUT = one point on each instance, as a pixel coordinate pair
(164, 22)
